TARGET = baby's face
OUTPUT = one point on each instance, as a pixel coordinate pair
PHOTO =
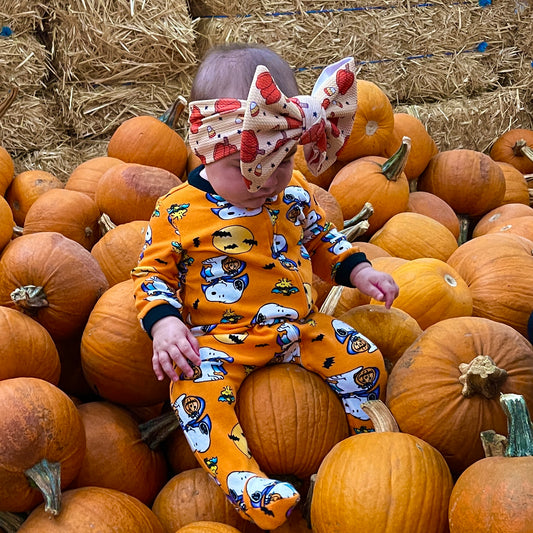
(227, 181)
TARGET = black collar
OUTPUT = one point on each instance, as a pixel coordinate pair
(198, 182)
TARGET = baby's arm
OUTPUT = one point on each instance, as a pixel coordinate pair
(173, 342)
(372, 282)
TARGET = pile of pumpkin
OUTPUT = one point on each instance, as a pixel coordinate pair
(87, 437)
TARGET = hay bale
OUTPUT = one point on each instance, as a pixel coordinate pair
(21, 16)
(102, 42)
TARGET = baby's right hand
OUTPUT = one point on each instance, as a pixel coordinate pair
(173, 343)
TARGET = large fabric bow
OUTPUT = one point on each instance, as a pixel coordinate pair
(267, 125)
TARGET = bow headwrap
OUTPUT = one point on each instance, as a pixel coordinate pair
(266, 126)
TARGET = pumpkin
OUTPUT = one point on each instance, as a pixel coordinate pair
(423, 147)
(51, 278)
(193, 496)
(522, 226)
(494, 494)
(95, 509)
(498, 268)
(42, 440)
(84, 178)
(445, 388)
(376, 180)
(129, 191)
(413, 236)
(381, 482)
(516, 148)
(430, 291)
(71, 213)
(193, 160)
(118, 251)
(516, 186)
(373, 124)
(116, 457)
(324, 178)
(329, 204)
(116, 354)
(7, 223)
(148, 141)
(296, 523)
(426, 203)
(27, 348)
(391, 330)
(178, 452)
(25, 188)
(7, 170)
(205, 526)
(289, 437)
(496, 217)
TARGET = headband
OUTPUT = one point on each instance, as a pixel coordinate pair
(266, 126)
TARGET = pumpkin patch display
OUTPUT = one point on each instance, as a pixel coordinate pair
(516, 148)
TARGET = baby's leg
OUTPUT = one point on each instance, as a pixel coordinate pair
(205, 406)
(349, 363)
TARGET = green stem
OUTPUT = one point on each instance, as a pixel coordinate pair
(47, 478)
(171, 116)
(519, 426)
(393, 167)
(464, 227)
(11, 522)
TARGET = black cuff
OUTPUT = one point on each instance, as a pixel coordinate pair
(342, 276)
(157, 313)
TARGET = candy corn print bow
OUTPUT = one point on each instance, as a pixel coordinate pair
(268, 124)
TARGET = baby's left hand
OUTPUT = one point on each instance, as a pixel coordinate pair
(374, 283)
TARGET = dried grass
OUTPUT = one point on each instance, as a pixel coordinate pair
(21, 16)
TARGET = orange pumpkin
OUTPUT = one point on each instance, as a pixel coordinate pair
(206, 526)
(7, 223)
(445, 388)
(413, 236)
(376, 180)
(432, 206)
(516, 186)
(95, 509)
(116, 456)
(40, 426)
(129, 191)
(116, 354)
(373, 124)
(522, 226)
(496, 217)
(498, 268)
(178, 452)
(324, 178)
(329, 204)
(148, 141)
(516, 148)
(84, 178)
(117, 252)
(7, 170)
(53, 279)
(25, 188)
(27, 348)
(71, 213)
(267, 419)
(423, 146)
(430, 291)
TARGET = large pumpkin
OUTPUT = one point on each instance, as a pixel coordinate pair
(7, 223)
(522, 226)
(40, 427)
(516, 186)
(496, 217)
(373, 124)
(498, 268)
(53, 279)
(289, 437)
(7, 170)
(85, 177)
(95, 509)
(149, 141)
(445, 388)
(116, 354)
(516, 148)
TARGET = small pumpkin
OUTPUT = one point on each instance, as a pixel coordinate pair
(7, 170)
(149, 141)
(496, 217)
(84, 178)
(516, 186)
(373, 124)
(516, 148)
(7, 223)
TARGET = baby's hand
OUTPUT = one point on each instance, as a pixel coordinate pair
(373, 283)
(173, 342)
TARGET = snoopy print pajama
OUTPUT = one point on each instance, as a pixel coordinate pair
(241, 280)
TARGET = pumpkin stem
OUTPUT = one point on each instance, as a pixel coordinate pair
(464, 228)
(17, 231)
(493, 443)
(171, 116)
(358, 224)
(156, 430)
(481, 376)
(393, 167)
(8, 100)
(11, 522)
(380, 416)
(47, 478)
(306, 506)
(29, 298)
(331, 300)
(105, 224)
(521, 148)
(519, 426)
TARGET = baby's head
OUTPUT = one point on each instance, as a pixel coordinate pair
(227, 71)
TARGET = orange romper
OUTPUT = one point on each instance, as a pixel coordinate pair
(241, 280)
